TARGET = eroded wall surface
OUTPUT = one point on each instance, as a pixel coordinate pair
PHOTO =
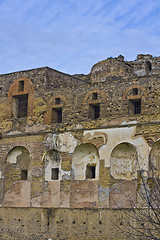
(97, 170)
(50, 223)
(73, 148)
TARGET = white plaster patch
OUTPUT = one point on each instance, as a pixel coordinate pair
(52, 163)
(83, 155)
(129, 123)
(13, 154)
(14, 132)
(121, 135)
(0, 174)
(65, 175)
(65, 142)
(140, 72)
(124, 162)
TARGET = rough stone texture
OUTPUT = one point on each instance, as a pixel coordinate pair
(51, 223)
(97, 130)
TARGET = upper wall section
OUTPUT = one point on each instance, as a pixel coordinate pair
(42, 79)
(111, 67)
(117, 68)
(145, 64)
(57, 79)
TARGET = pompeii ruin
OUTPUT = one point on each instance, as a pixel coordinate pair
(72, 147)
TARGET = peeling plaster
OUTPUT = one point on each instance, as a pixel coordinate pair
(84, 154)
(66, 175)
(52, 160)
(116, 136)
(64, 142)
(13, 154)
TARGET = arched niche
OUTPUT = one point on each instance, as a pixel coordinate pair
(134, 91)
(85, 162)
(52, 165)
(18, 159)
(154, 158)
(17, 189)
(124, 162)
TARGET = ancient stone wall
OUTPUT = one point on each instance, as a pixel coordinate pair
(74, 147)
(50, 223)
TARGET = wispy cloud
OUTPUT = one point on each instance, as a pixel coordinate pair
(71, 35)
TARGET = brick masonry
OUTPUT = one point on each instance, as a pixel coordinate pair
(74, 156)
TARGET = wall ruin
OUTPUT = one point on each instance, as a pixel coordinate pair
(85, 163)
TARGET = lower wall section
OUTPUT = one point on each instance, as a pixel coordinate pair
(50, 224)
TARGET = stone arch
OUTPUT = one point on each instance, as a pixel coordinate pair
(85, 156)
(20, 88)
(17, 174)
(101, 93)
(154, 158)
(124, 160)
(19, 157)
(98, 139)
(63, 102)
(15, 89)
(53, 104)
(52, 165)
(142, 89)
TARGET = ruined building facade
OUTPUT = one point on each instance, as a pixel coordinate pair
(72, 147)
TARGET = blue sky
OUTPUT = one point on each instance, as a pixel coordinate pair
(72, 35)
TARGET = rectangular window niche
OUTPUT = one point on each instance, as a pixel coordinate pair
(135, 106)
(24, 174)
(56, 116)
(55, 174)
(20, 106)
(21, 86)
(94, 111)
(90, 172)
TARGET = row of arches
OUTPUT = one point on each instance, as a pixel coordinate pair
(85, 183)
(85, 162)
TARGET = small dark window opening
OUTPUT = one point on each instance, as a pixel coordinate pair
(136, 106)
(55, 174)
(94, 111)
(135, 91)
(57, 100)
(56, 115)
(90, 172)
(94, 96)
(21, 86)
(148, 66)
(24, 174)
(21, 105)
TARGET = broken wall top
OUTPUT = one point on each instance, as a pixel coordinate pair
(115, 68)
